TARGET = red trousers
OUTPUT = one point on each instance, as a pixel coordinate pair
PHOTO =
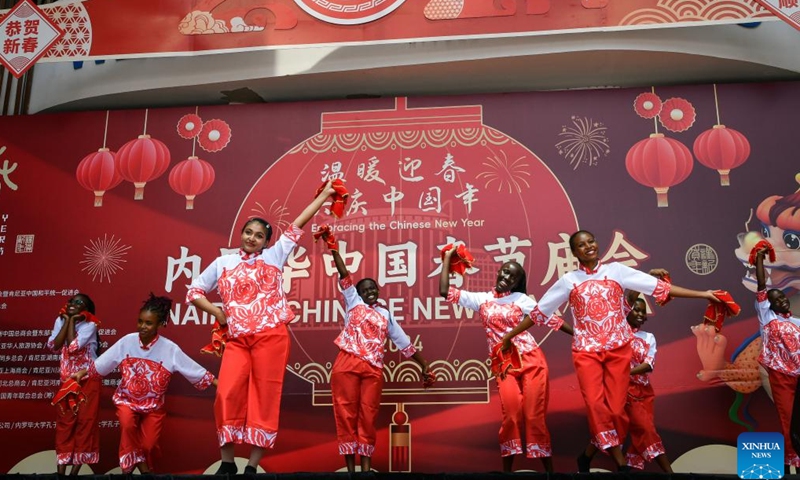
(249, 387)
(783, 388)
(603, 378)
(523, 398)
(78, 436)
(139, 434)
(356, 387)
(645, 441)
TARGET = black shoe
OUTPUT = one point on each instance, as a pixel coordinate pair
(226, 468)
(584, 463)
(250, 470)
(624, 469)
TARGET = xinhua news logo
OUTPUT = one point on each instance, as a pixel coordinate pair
(760, 455)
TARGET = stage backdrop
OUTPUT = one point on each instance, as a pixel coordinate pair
(665, 177)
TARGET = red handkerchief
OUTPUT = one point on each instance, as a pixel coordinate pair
(69, 397)
(325, 233)
(219, 336)
(339, 197)
(717, 312)
(461, 260)
(507, 362)
(760, 245)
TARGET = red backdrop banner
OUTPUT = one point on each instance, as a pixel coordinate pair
(119, 204)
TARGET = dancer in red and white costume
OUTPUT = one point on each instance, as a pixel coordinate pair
(646, 443)
(146, 362)
(357, 375)
(524, 393)
(75, 337)
(601, 349)
(780, 354)
(255, 313)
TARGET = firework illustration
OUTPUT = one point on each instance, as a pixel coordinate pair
(509, 175)
(585, 142)
(103, 257)
(274, 215)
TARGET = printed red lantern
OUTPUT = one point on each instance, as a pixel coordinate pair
(722, 149)
(142, 160)
(659, 162)
(96, 172)
(191, 177)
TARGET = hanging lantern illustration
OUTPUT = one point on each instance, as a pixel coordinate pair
(190, 178)
(721, 148)
(142, 160)
(399, 441)
(659, 162)
(96, 172)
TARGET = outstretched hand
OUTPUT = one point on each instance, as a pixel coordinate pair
(711, 297)
(659, 272)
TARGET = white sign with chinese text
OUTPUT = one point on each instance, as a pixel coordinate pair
(25, 35)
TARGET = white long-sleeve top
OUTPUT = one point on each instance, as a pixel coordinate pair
(78, 354)
(500, 313)
(366, 328)
(597, 301)
(780, 338)
(147, 370)
(251, 286)
(643, 347)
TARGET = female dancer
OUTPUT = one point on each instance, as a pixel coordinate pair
(357, 375)
(524, 392)
(146, 361)
(601, 350)
(255, 314)
(646, 443)
(780, 354)
(75, 337)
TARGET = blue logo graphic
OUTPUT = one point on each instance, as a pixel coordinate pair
(760, 455)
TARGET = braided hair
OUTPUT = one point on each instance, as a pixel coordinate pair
(161, 306)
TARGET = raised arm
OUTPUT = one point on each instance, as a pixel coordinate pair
(444, 277)
(761, 278)
(314, 206)
(340, 266)
(67, 333)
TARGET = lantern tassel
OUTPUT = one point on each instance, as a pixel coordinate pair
(661, 196)
(190, 202)
(98, 198)
(138, 193)
(724, 177)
